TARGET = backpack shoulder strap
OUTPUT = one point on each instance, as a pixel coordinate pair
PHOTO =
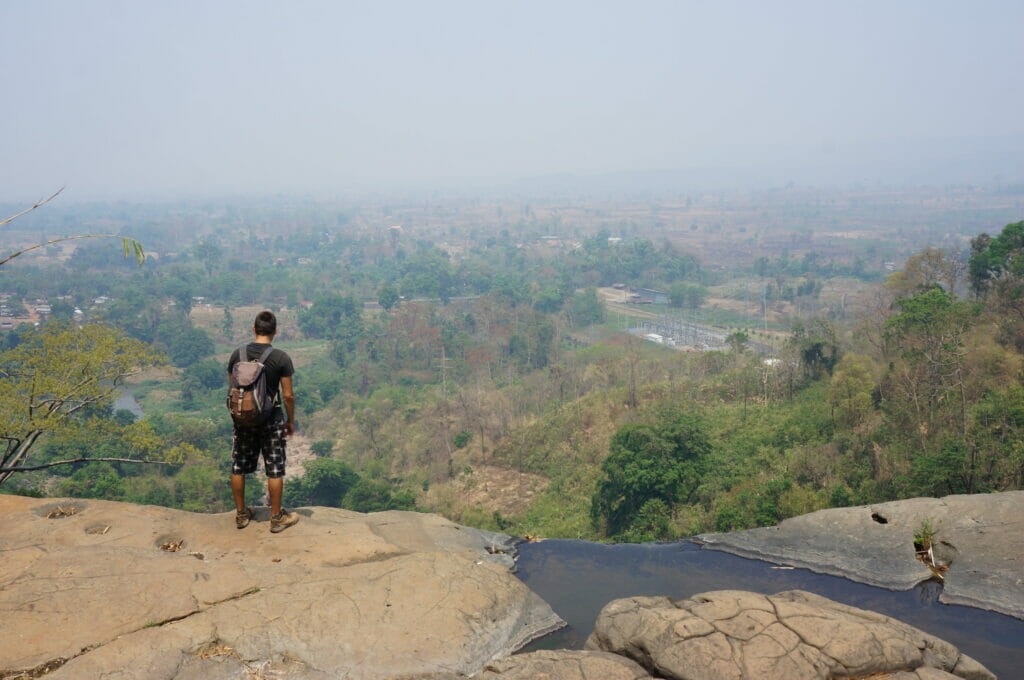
(266, 353)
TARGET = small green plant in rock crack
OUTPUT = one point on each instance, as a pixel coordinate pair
(924, 535)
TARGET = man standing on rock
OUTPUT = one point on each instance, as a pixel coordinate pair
(268, 438)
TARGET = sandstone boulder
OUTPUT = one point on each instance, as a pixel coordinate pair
(98, 589)
(980, 538)
(564, 665)
(559, 664)
(795, 635)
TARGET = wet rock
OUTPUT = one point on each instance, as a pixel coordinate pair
(980, 538)
(795, 635)
(340, 594)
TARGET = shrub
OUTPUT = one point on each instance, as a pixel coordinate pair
(663, 461)
(322, 447)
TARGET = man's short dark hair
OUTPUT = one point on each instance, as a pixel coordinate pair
(266, 323)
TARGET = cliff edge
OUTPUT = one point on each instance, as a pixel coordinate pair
(977, 544)
(93, 589)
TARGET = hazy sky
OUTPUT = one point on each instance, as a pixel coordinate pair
(146, 99)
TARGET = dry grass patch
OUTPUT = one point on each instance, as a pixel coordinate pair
(214, 650)
(488, 488)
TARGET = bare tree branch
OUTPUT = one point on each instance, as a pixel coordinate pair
(83, 460)
(12, 460)
(12, 445)
(130, 246)
(81, 405)
(28, 210)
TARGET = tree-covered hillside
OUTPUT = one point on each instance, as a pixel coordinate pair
(497, 385)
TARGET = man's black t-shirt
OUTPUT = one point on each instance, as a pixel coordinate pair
(278, 365)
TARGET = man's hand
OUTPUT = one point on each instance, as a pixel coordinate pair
(288, 397)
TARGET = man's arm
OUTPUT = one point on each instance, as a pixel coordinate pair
(288, 397)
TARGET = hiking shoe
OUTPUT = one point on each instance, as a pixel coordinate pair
(282, 521)
(242, 518)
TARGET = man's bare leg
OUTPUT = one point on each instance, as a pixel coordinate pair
(275, 487)
(238, 491)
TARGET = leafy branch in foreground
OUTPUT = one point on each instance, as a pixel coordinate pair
(56, 377)
(131, 246)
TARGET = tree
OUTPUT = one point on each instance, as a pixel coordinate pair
(737, 340)
(208, 251)
(180, 289)
(695, 296)
(817, 347)
(994, 258)
(388, 297)
(677, 294)
(377, 495)
(942, 472)
(547, 300)
(325, 483)
(190, 388)
(137, 313)
(209, 373)
(998, 438)
(427, 273)
(335, 317)
(996, 270)
(927, 387)
(185, 343)
(850, 390)
(201, 488)
(92, 438)
(687, 295)
(662, 461)
(926, 269)
(586, 308)
(54, 376)
(652, 523)
(322, 447)
(95, 480)
(61, 310)
(227, 324)
(766, 503)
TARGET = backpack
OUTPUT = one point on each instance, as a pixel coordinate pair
(248, 399)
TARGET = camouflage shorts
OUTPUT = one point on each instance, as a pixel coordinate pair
(249, 443)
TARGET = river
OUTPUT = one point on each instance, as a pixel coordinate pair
(578, 578)
(126, 400)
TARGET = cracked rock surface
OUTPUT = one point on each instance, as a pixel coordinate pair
(109, 590)
(564, 665)
(559, 664)
(794, 635)
(980, 536)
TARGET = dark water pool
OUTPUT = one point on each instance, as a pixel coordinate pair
(578, 578)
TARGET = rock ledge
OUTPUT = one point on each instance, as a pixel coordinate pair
(794, 635)
(981, 536)
(94, 589)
